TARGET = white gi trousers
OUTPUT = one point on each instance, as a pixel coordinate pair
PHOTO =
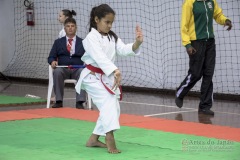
(107, 104)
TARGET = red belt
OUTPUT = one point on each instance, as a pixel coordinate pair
(98, 70)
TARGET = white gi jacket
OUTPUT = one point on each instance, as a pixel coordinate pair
(62, 33)
(102, 54)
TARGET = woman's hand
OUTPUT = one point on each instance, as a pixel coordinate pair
(117, 79)
(139, 38)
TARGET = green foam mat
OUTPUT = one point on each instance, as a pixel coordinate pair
(15, 100)
(64, 139)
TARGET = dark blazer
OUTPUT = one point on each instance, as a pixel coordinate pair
(60, 53)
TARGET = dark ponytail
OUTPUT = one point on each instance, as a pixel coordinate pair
(92, 20)
(100, 12)
(69, 13)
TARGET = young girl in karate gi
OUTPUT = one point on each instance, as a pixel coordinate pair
(63, 15)
(101, 78)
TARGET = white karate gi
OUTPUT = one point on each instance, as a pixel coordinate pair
(101, 52)
(62, 33)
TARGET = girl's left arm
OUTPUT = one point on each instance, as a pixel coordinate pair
(130, 49)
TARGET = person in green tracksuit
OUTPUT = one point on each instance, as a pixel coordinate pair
(198, 38)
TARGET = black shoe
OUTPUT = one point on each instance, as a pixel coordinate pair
(179, 102)
(206, 111)
(58, 104)
(205, 119)
(79, 105)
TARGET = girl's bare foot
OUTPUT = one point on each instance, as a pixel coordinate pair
(111, 145)
(94, 142)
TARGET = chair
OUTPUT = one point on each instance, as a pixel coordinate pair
(50, 88)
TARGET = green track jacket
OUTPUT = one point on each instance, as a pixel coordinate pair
(197, 20)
